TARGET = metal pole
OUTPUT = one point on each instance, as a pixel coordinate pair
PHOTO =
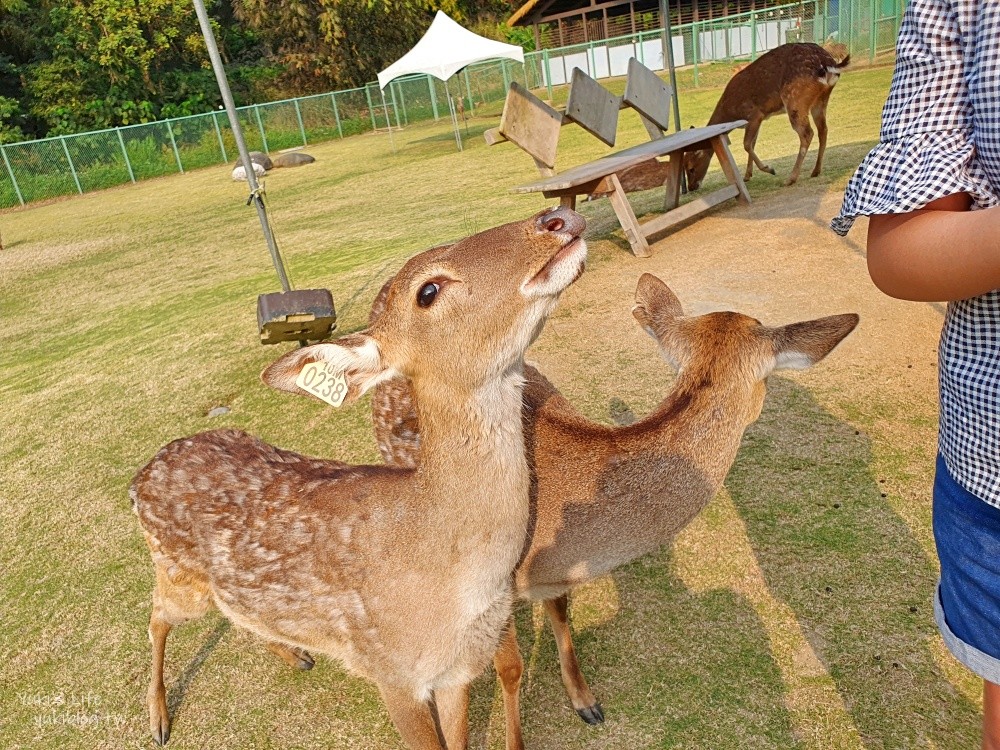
(173, 142)
(234, 123)
(371, 107)
(388, 125)
(336, 115)
(434, 101)
(62, 140)
(128, 164)
(668, 59)
(17, 190)
(260, 127)
(222, 144)
(302, 127)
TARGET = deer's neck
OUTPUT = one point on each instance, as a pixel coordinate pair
(472, 445)
(702, 423)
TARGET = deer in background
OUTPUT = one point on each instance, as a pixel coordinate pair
(343, 560)
(794, 78)
(604, 496)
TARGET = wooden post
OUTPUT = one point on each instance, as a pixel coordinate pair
(626, 217)
(720, 145)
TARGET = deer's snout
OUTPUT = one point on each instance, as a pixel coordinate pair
(561, 220)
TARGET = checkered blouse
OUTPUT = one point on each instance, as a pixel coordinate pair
(941, 135)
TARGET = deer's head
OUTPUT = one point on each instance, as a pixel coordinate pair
(730, 349)
(457, 315)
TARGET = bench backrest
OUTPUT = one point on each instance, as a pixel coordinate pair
(534, 126)
(648, 95)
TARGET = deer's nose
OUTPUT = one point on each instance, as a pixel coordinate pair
(562, 220)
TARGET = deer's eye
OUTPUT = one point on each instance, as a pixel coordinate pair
(427, 294)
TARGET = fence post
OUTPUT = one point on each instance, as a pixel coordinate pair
(695, 44)
(302, 127)
(591, 60)
(874, 33)
(506, 78)
(434, 101)
(468, 90)
(62, 140)
(395, 104)
(260, 127)
(371, 109)
(336, 114)
(753, 36)
(222, 144)
(128, 164)
(17, 190)
(548, 72)
(177, 154)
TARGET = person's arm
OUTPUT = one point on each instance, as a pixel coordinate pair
(942, 252)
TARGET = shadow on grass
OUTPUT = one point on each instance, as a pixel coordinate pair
(832, 548)
(179, 687)
(675, 667)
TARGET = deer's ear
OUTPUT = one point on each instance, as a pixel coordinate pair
(656, 306)
(801, 345)
(657, 309)
(357, 356)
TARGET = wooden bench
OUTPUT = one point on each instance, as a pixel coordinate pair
(534, 126)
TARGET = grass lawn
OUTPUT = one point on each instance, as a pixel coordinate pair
(794, 613)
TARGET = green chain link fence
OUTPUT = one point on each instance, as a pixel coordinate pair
(64, 165)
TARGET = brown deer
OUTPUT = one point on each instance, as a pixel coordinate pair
(604, 496)
(795, 78)
(342, 560)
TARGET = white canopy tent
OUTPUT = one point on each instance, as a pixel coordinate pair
(443, 51)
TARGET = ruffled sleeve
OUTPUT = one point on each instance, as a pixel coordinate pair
(927, 149)
(908, 173)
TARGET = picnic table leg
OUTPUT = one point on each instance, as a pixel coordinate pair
(626, 217)
(720, 144)
(568, 201)
(673, 183)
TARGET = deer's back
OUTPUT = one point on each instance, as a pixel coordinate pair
(772, 79)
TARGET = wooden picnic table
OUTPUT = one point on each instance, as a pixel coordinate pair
(601, 176)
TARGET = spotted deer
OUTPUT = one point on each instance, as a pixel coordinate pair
(795, 78)
(321, 556)
(604, 496)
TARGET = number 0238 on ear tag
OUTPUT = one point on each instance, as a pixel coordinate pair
(324, 382)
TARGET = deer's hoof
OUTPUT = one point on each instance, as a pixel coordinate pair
(789, 181)
(160, 730)
(770, 170)
(592, 714)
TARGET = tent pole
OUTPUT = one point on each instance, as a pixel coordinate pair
(388, 124)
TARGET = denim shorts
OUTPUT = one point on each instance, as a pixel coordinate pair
(967, 605)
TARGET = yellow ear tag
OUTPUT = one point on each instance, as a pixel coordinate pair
(324, 382)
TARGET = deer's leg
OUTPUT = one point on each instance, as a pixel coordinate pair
(453, 714)
(510, 667)
(576, 686)
(175, 601)
(819, 116)
(156, 696)
(750, 143)
(415, 720)
(800, 124)
(297, 658)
